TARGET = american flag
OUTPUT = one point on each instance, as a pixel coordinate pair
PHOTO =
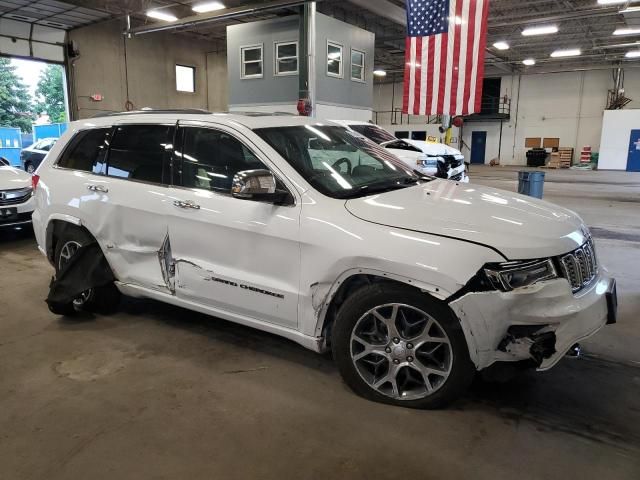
(444, 60)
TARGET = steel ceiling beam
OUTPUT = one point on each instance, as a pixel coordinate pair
(219, 15)
(577, 14)
(385, 9)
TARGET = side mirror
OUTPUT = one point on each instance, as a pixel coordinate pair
(258, 185)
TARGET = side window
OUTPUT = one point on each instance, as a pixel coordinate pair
(357, 65)
(210, 159)
(286, 58)
(334, 59)
(251, 61)
(86, 151)
(138, 152)
(46, 146)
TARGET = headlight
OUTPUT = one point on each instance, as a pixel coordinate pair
(510, 275)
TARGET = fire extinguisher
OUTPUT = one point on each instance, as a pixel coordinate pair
(304, 107)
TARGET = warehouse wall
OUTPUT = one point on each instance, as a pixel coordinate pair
(565, 105)
(149, 68)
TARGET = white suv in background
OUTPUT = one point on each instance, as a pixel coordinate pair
(429, 158)
(311, 232)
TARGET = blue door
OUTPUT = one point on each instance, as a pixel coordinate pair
(478, 146)
(633, 160)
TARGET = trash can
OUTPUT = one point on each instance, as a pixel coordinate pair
(531, 183)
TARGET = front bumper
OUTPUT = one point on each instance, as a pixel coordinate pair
(547, 310)
(22, 217)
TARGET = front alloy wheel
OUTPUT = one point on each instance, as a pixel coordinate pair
(396, 344)
(401, 351)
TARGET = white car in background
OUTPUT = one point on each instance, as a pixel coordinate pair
(16, 192)
(429, 158)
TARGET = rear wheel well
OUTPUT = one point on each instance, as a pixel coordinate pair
(351, 285)
(54, 230)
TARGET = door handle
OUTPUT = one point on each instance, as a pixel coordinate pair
(186, 204)
(98, 188)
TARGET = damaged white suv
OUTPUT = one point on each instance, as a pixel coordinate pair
(308, 231)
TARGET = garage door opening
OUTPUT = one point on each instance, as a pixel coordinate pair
(33, 106)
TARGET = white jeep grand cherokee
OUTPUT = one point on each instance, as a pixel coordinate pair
(308, 231)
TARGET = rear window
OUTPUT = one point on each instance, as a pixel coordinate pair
(86, 151)
(138, 152)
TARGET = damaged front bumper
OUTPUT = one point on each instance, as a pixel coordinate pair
(538, 324)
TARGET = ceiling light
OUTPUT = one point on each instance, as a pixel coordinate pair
(633, 54)
(167, 17)
(630, 10)
(529, 62)
(379, 73)
(501, 45)
(208, 7)
(627, 31)
(566, 53)
(611, 2)
(541, 30)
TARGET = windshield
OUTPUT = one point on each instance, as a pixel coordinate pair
(373, 133)
(338, 162)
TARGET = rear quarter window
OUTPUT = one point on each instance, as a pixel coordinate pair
(86, 151)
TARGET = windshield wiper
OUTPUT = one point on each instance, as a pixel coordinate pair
(382, 186)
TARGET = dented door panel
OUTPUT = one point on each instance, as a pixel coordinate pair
(130, 223)
(237, 255)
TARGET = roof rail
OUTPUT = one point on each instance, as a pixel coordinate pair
(152, 111)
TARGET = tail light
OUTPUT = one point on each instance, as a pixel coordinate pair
(34, 181)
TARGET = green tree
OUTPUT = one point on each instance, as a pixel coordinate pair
(50, 94)
(15, 108)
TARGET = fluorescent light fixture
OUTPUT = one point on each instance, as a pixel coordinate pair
(627, 31)
(529, 62)
(379, 73)
(611, 2)
(540, 30)
(167, 17)
(566, 53)
(630, 10)
(208, 7)
(633, 54)
(501, 45)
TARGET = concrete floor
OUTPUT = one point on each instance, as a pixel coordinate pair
(159, 392)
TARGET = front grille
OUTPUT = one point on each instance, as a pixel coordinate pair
(449, 162)
(14, 197)
(580, 267)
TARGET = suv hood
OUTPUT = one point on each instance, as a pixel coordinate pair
(12, 178)
(519, 227)
(434, 149)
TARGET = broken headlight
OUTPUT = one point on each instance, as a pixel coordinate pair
(511, 275)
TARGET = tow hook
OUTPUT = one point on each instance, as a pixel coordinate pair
(575, 351)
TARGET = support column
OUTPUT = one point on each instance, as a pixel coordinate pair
(306, 75)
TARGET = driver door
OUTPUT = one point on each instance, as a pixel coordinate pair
(236, 255)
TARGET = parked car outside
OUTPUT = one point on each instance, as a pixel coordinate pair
(414, 283)
(429, 158)
(32, 156)
(16, 202)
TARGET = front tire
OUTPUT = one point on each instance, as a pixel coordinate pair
(29, 168)
(396, 345)
(103, 299)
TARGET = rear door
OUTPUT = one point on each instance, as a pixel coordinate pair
(236, 255)
(128, 201)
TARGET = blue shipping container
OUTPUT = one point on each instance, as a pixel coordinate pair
(51, 130)
(11, 144)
